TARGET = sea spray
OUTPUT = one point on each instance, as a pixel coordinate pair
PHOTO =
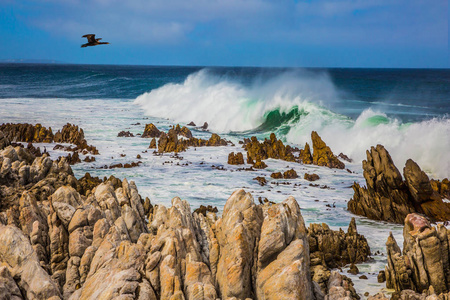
(292, 104)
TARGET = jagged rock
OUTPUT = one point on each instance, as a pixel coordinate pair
(259, 164)
(152, 144)
(381, 276)
(235, 159)
(183, 131)
(27, 133)
(4, 141)
(424, 262)
(290, 174)
(191, 124)
(125, 134)
(8, 287)
(345, 157)
(440, 187)
(388, 198)
(204, 126)
(305, 155)
(340, 288)
(322, 154)
(270, 148)
(23, 264)
(353, 269)
(336, 248)
(151, 131)
(311, 177)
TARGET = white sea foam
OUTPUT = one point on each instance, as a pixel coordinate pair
(228, 105)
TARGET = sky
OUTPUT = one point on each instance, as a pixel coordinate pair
(286, 33)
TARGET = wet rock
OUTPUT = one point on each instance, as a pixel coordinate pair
(276, 175)
(235, 159)
(191, 124)
(261, 180)
(27, 133)
(305, 155)
(4, 141)
(73, 158)
(290, 174)
(387, 197)
(424, 262)
(151, 131)
(125, 134)
(353, 270)
(204, 126)
(259, 164)
(381, 277)
(345, 157)
(441, 187)
(322, 154)
(152, 144)
(183, 131)
(269, 148)
(311, 177)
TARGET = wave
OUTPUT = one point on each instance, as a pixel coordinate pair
(294, 103)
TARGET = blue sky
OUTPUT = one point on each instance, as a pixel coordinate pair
(304, 33)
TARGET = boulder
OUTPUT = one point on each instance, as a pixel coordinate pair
(311, 177)
(235, 159)
(151, 131)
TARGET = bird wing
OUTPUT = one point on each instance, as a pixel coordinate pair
(90, 38)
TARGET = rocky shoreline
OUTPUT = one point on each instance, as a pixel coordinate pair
(68, 238)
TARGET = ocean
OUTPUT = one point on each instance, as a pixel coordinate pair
(406, 110)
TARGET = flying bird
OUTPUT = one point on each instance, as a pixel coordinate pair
(92, 41)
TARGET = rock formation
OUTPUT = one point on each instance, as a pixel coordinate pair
(235, 159)
(150, 130)
(322, 154)
(63, 238)
(269, 148)
(423, 265)
(125, 134)
(311, 177)
(387, 197)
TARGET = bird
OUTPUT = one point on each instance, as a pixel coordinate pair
(92, 41)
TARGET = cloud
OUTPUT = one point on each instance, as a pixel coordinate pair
(360, 23)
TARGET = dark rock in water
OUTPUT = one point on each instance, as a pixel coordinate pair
(387, 197)
(261, 180)
(424, 262)
(183, 131)
(381, 276)
(204, 209)
(89, 159)
(204, 126)
(276, 175)
(191, 124)
(353, 270)
(33, 150)
(364, 277)
(270, 148)
(73, 158)
(27, 133)
(125, 134)
(305, 155)
(259, 164)
(322, 154)
(235, 159)
(151, 131)
(290, 174)
(345, 157)
(311, 177)
(138, 156)
(152, 144)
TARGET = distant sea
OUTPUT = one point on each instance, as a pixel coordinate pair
(406, 110)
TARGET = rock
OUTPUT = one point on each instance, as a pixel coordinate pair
(27, 133)
(381, 276)
(191, 124)
(305, 155)
(23, 264)
(183, 131)
(4, 141)
(204, 209)
(237, 159)
(152, 144)
(336, 248)
(259, 164)
(125, 134)
(270, 148)
(353, 270)
(345, 157)
(311, 177)
(441, 187)
(151, 131)
(8, 287)
(290, 174)
(322, 154)
(276, 175)
(424, 262)
(261, 180)
(387, 197)
(204, 126)
(73, 158)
